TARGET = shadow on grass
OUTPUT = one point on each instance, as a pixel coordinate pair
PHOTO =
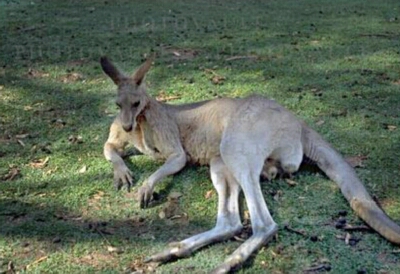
(56, 224)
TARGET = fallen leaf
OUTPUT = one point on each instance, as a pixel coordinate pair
(218, 80)
(21, 142)
(41, 163)
(340, 237)
(162, 214)
(113, 249)
(75, 139)
(209, 194)
(320, 122)
(183, 215)
(22, 136)
(12, 174)
(181, 53)
(356, 161)
(347, 238)
(83, 169)
(291, 182)
(59, 123)
(391, 127)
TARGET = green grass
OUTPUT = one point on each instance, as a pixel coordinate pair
(335, 65)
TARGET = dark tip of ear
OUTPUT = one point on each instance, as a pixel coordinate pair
(144, 68)
(111, 70)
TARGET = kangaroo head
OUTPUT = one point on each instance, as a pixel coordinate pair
(132, 97)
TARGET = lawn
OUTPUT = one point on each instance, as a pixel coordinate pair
(335, 65)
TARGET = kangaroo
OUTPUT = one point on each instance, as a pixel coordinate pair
(238, 139)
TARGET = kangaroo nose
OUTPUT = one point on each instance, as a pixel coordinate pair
(127, 128)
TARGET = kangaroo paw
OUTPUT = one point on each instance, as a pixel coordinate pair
(123, 176)
(144, 195)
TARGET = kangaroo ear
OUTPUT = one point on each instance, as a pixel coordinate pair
(111, 70)
(139, 75)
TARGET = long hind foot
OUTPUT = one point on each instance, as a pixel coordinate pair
(187, 247)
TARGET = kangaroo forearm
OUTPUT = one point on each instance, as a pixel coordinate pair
(112, 154)
(173, 165)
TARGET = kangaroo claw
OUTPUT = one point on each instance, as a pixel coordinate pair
(117, 184)
(145, 195)
(123, 176)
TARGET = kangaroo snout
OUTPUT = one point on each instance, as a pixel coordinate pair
(127, 128)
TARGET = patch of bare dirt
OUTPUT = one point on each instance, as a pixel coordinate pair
(36, 74)
(71, 77)
(98, 259)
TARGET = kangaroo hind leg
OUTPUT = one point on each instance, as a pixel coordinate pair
(246, 168)
(228, 218)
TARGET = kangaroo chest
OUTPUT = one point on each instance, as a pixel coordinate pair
(146, 141)
(201, 143)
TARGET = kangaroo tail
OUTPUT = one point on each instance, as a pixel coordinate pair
(338, 170)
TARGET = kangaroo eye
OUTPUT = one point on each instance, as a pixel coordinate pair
(136, 104)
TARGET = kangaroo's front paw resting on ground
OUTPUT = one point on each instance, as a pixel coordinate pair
(123, 176)
(144, 195)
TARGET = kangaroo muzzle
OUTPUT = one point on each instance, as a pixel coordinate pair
(127, 128)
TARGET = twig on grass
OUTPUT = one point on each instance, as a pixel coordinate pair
(38, 261)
